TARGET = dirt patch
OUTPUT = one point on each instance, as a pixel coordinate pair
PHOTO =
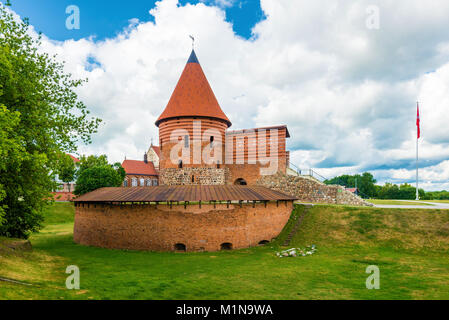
(14, 245)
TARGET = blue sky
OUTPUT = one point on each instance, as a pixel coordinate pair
(105, 18)
(346, 90)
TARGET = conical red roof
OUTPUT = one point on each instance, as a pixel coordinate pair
(193, 96)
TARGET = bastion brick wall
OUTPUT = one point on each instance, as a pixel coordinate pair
(159, 228)
(311, 190)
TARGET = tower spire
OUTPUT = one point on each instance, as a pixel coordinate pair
(193, 96)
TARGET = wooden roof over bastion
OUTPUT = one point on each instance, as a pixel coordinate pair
(184, 193)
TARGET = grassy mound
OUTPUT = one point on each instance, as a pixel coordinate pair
(411, 229)
(409, 246)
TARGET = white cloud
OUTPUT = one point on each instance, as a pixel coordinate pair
(347, 93)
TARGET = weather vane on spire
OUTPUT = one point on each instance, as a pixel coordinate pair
(193, 41)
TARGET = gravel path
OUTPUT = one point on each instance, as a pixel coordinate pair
(433, 205)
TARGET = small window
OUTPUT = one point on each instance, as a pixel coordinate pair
(142, 182)
(148, 182)
(226, 246)
(134, 182)
(193, 178)
(211, 141)
(155, 182)
(180, 247)
(180, 164)
(186, 141)
(240, 181)
(218, 164)
(125, 183)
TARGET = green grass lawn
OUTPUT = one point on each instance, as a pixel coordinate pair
(398, 203)
(409, 246)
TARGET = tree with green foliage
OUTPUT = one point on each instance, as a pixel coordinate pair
(94, 172)
(66, 169)
(365, 183)
(436, 195)
(402, 192)
(10, 146)
(91, 161)
(40, 117)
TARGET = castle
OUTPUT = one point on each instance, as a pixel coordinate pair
(204, 188)
(197, 190)
(196, 147)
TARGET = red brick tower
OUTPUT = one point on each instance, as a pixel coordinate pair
(193, 121)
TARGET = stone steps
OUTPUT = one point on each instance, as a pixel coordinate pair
(296, 226)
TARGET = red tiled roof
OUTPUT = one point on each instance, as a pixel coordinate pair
(74, 158)
(139, 167)
(157, 150)
(353, 190)
(193, 96)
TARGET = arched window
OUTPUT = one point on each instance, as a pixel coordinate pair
(180, 164)
(211, 142)
(134, 182)
(180, 247)
(148, 182)
(193, 178)
(240, 181)
(226, 246)
(142, 182)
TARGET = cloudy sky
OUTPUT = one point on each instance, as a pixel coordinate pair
(344, 76)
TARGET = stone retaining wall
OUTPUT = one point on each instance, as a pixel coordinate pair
(193, 176)
(311, 190)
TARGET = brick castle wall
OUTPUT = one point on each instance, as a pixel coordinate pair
(63, 196)
(251, 173)
(198, 141)
(147, 227)
(238, 149)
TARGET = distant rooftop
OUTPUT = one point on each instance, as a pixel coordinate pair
(157, 149)
(138, 167)
(75, 159)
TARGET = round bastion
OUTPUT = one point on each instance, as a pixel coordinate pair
(180, 218)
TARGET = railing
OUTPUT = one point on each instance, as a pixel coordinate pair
(312, 173)
(308, 172)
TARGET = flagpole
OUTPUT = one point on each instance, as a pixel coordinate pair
(417, 194)
(417, 140)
